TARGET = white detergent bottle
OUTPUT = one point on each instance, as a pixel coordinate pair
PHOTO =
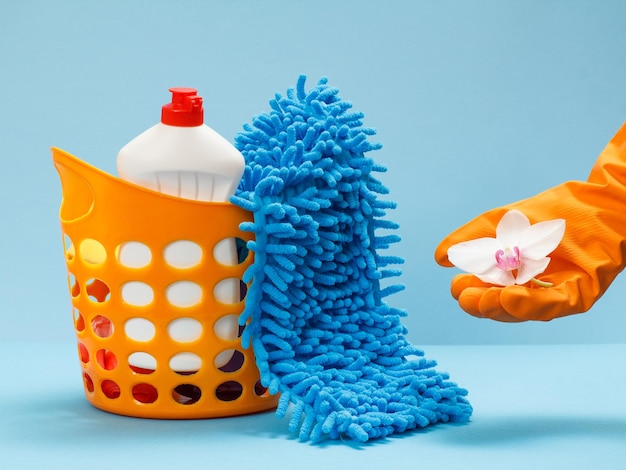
(183, 157)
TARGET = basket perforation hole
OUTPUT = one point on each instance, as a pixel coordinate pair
(230, 251)
(137, 293)
(228, 291)
(83, 353)
(68, 246)
(110, 389)
(184, 330)
(139, 329)
(186, 394)
(88, 382)
(233, 364)
(228, 391)
(79, 320)
(142, 363)
(145, 393)
(106, 359)
(97, 290)
(92, 251)
(184, 293)
(227, 327)
(260, 390)
(73, 285)
(133, 254)
(102, 326)
(185, 363)
(183, 254)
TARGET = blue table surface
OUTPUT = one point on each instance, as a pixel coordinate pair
(557, 406)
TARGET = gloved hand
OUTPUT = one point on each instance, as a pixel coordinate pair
(584, 264)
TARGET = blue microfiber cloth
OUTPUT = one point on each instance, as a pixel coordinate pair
(322, 334)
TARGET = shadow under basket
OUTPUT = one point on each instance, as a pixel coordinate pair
(156, 290)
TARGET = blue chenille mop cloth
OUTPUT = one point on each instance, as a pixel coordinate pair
(323, 336)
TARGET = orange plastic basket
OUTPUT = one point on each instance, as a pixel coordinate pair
(143, 352)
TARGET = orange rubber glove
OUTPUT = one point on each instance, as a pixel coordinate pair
(590, 255)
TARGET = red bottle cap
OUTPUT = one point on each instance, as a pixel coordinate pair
(185, 110)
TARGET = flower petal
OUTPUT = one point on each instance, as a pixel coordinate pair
(511, 225)
(497, 276)
(474, 256)
(530, 268)
(541, 239)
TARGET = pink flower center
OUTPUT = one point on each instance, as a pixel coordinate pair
(508, 259)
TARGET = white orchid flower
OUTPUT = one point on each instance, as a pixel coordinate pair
(517, 254)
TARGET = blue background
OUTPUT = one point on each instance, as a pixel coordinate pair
(477, 104)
